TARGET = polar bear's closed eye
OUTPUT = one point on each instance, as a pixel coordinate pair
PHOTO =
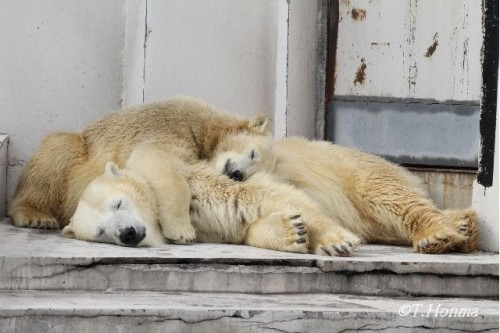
(114, 209)
(242, 155)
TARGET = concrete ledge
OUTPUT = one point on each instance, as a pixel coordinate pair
(44, 260)
(4, 140)
(36, 311)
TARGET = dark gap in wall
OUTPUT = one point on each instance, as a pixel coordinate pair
(333, 23)
(489, 89)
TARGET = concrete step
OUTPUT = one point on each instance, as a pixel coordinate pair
(57, 311)
(44, 260)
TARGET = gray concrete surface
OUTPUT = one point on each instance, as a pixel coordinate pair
(207, 312)
(44, 260)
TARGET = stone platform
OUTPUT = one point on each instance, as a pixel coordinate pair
(57, 285)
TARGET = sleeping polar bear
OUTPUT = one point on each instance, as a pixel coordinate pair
(376, 200)
(127, 206)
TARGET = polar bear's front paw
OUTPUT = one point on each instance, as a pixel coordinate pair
(340, 244)
(31, 218)
(179, 234)
(295, 234)
(465, 222)
(279, 231)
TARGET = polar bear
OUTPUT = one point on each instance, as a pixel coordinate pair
(52, 181)
(123, 207)
(376, 200)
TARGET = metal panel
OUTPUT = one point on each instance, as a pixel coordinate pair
(406, 132)
(410, 49)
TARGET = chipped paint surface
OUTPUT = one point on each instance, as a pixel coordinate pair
(360, 73)
(358, 14)
(433, 47)
(412, 49)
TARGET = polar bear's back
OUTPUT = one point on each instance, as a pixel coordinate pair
(180, 120)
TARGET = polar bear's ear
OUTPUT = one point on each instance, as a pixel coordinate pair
(68, 231)
(259, 123)
(112, 170)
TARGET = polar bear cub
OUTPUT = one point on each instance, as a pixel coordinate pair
(116, 207)
(376, 200)
(128, 206)
(52, 181)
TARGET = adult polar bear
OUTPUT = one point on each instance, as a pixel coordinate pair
(184, 129)
(376, 200)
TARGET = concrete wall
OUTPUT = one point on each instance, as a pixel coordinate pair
(220, 50)
(65, 64)
(61, 65)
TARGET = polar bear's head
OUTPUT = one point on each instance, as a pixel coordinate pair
(116, 207)
(240, 155)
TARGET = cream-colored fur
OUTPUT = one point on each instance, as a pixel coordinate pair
(111, 204)
(376, 200)
(259, 212)
(65, 163)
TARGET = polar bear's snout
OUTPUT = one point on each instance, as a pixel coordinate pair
(232, 171)
(132, 235)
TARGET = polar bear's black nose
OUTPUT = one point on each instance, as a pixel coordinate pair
(236, 175)
(231, 172)
(131, 237)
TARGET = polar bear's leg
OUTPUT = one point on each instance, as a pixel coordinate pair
(166, 173)
(280, 232)
(327, 237)
(285, 231)
(398, 208)
(43, 184)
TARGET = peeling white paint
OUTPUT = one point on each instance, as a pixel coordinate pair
(394, 38)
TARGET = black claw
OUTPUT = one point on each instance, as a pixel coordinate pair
(325, 250)
(349, 243)
(337, 249)
(302, 232)
(346, 249)
(299, 225)
(300, 241)
(293, 217)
